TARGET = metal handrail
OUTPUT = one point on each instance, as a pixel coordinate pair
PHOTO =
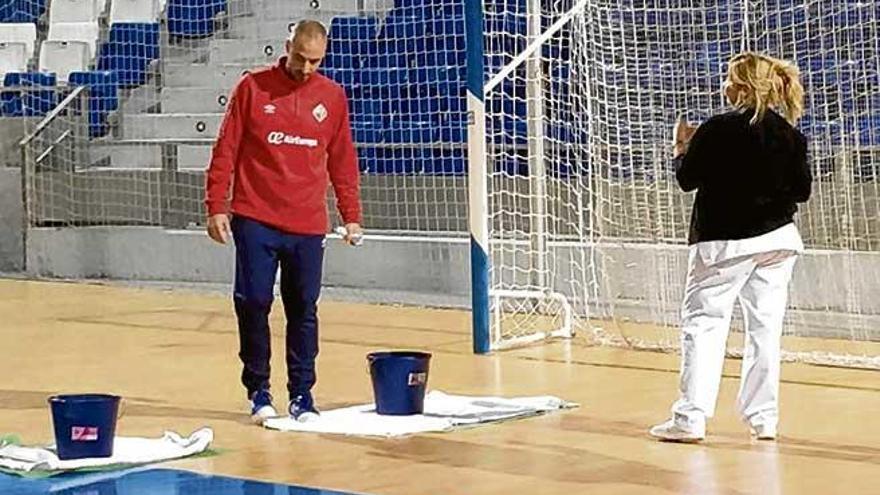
(51, 116)
(66, 134)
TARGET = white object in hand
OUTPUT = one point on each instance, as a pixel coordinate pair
(356, 240)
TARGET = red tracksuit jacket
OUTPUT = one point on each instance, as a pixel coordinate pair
(281, 143)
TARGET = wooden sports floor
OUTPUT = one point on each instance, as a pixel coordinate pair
(172, 355)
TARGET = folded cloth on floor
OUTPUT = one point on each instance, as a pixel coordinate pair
(442, 412)
(127, 452)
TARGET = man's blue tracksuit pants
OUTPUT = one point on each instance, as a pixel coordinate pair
(259, 251)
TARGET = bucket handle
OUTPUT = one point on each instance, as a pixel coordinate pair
(122, 408)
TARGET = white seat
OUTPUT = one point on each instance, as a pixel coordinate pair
(73, 11)
(87, 32)
(64, 57)
(134, 11)
(13, 58)
(22, 33)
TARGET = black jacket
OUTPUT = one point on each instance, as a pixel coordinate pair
(749, 178)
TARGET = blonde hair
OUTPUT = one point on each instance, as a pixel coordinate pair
(760, 82)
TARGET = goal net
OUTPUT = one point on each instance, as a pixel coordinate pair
(587, 226)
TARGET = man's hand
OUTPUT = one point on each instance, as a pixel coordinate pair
(354, 234)
(218, 228)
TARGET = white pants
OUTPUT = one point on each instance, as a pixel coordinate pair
(760, 283)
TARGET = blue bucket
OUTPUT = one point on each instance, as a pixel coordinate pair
(399, 381)
(85, 425)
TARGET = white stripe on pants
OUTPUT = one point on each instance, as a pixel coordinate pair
(760, 283)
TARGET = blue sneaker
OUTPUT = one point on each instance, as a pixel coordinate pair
(261, 406)
(302, 408)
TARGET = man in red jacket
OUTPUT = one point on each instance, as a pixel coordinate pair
(285, 137)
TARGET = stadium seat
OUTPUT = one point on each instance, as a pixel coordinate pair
(28, 102)
(20, 32)
(869, 130)
(86, 32)
(429, 9)
(368, 129)
(352, 42)
(13, 58)
(367, 160)
(129, 51)
(347, 77)
(404, 129)
(63, 57)
(453, 127)
(73, 11)
(417, 161)
(20, 11)
(134, 11)
(445, 162)
(103, 97)
(193, 18)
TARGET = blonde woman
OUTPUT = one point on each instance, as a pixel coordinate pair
(749, 168)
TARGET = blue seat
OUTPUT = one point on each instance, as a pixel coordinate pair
(368, 130)
(406, 129)
(450, 96)
(346, 77)
(418, 161)
(26, 102)
(129, 51)
(380, 84)
(365, 107)
(505, 6)
(367, 122)
(568, 166)
(786, 18)
(354, 28)
(353, 42)
(446, 162)
(513, 164)
(453, 127)
(397, 161)
(456, 58)
(367, 159)
(414, 106)
(429, 9)
(21, 10)
(193, 18)
(103, 97)
(507, 131)
(869, 130)
(819, 130)
(405, 35)
(507, 106)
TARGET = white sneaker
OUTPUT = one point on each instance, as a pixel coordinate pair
(763, 431)
(678, 430)
(307, 417)
(261, 407)
(262, 414)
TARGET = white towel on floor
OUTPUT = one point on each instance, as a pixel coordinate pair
(126, 451)
(443, 412)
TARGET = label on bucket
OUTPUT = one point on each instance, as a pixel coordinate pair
(417, 379)
(84, 433)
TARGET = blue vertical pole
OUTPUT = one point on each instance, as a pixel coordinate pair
(478, 202)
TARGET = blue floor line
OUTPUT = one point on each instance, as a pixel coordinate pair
(150, 482)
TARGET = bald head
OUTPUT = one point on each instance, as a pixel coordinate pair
(306, 48)
(307, 29)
